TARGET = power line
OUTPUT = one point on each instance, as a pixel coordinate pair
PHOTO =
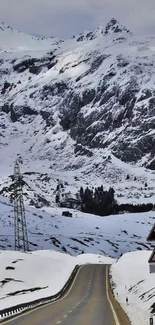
(20, 228)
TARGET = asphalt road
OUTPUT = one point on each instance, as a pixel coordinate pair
(85, 304)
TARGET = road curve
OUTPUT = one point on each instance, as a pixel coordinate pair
(85, 303)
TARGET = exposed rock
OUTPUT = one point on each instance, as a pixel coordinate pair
(13, 115)
(47, 116)
(17, 111)
(35, 69)
(5, 108)
(57, 88)
(151, 165)
(115, 27)
(26, 64)
(80, 150)
(35, 65)
(146, 93)
(5, 87)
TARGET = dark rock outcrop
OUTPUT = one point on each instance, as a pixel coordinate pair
(17, 111)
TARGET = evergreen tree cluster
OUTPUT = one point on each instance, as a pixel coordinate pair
(134, 208)
(97, 201)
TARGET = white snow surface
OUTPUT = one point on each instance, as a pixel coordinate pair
(47, 271)
(15, 41)
(131, 278)
(83, 233)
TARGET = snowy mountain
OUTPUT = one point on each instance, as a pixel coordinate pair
(80, 110)
(112, 27)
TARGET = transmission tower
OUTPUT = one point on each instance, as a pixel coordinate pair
(21, 238)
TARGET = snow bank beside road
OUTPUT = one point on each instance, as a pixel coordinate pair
(93, 258)
(131, 276)
(26, 277)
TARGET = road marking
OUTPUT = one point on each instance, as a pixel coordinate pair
(70, 311)
(59, 322)
(65, 316)
(110, 303)
(45, 305)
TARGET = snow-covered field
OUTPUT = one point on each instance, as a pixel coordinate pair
(28, 276)
(132, 280)
(48, 229)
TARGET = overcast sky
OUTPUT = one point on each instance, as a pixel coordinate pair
(64, 18)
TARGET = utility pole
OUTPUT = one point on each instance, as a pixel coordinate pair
(20, 228)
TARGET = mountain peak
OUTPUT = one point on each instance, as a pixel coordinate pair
(115, 27)
(112, 27)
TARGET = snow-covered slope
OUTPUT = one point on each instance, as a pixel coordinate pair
(14, 41)
(71, 107)
(83, 233)
(113, 27)
(131, 279)
(21, 282)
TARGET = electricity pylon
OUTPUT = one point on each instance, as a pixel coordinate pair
(21, 238)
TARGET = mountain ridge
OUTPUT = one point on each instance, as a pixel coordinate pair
(112, 27)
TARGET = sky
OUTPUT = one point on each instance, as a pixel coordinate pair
(65, 18)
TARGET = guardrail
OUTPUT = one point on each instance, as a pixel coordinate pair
(18, 309)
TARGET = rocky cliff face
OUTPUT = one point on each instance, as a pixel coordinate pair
(69, 104)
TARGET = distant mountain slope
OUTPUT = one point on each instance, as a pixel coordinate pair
(79, 108)
(14, 40)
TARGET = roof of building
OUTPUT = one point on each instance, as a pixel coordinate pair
(151, 236)
(152, 257)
